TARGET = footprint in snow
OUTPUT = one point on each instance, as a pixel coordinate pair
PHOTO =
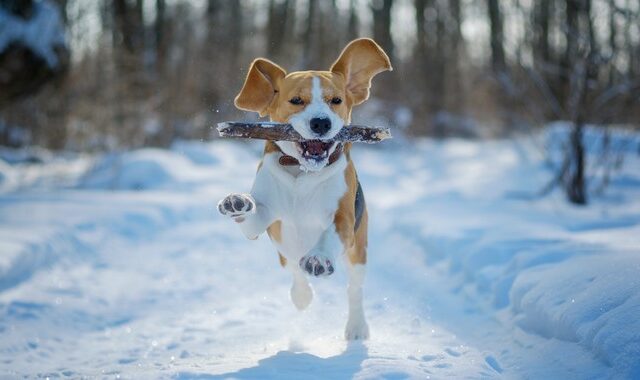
(493, 363)
(452, 352)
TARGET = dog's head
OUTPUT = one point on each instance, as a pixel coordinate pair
(316, 103)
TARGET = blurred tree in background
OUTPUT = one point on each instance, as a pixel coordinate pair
(150, 71)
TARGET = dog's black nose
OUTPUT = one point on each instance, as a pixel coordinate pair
(320, 125)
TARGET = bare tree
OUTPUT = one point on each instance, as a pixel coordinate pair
(310, 46)
(541, 25)
(454, 62)
(354, 22)
(160, 34)
(381, 10)
(498, 62)
(579, 57)
(128, 24)
(278, 21)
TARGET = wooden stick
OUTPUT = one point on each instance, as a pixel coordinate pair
(285, 132)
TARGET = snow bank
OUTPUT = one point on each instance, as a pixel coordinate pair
(46, 228)
(6, 175)
(42, 33)
(143, 169)
(551, 269)
(139, 170)
(197, 153)
(592, 299)
(185, 166)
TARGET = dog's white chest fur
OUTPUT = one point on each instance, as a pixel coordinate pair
(304, 202)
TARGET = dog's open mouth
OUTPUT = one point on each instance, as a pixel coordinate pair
(316, 150)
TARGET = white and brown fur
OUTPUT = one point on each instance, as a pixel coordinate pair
(308, 209)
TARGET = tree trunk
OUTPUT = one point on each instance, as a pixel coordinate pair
(542, 15)
(576, 186)
(128, 25)
(593, 41)
(354, 23)
(578, 70)
(310, 48)
(277, 26)
(438, 85)
(633, 51)
(382, 25)
(236, 32)
(613, 45)
(329, 36)
(497, 40)
(457, 45)
(387, 85)
(160, 34)
(571, 34)
(421, 30)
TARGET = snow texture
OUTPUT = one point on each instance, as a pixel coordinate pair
(119, 267)
(41, 33)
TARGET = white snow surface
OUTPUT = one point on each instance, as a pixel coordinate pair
(118, 266)
(41, 33)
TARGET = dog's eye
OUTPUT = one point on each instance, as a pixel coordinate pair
(336, 100)
(296, 101)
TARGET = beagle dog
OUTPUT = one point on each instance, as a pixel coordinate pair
(306, 195)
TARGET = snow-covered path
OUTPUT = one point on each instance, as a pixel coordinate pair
(465, 279)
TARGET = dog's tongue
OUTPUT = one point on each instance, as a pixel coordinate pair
(315, 148)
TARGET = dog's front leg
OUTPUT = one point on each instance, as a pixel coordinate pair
(252, 216)
(321, 258)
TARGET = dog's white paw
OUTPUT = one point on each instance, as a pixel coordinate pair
(237, 205)
(316, 265)
(301, 294)
(357, 329)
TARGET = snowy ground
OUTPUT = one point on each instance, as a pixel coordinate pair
(119, 267)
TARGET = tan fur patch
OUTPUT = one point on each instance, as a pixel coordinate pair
(283, 260)
(345, 217)
(355, 243)
(358, 63)
(260, 86)
(358, 254)
(269, 147)
(275, 231)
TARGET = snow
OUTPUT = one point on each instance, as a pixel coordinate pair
(119, 266)
(42, 33)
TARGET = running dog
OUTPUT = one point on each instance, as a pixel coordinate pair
(306, 195)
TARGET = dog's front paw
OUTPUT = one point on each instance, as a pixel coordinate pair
(357, 329)
(316, 265)
(237, 205)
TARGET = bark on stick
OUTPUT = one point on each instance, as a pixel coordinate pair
(285, 132)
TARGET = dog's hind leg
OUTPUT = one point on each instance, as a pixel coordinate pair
(356, 258)
(301, 291)
(357, 327)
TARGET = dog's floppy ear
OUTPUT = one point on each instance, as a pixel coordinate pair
(260, 86)
(359, 62)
